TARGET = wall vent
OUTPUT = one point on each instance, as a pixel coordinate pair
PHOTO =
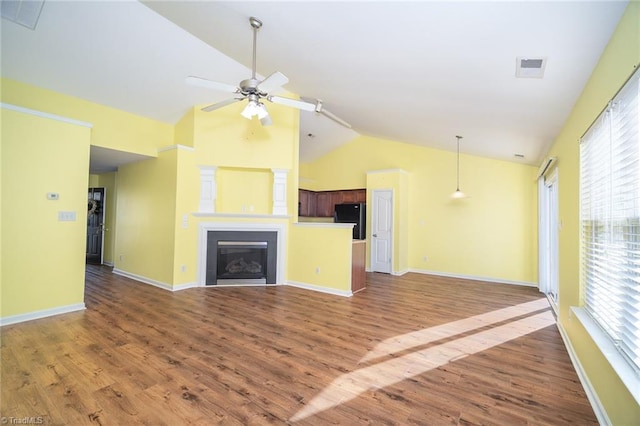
(23, 12)
(530, 67)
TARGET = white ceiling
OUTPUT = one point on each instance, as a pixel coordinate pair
(418, 72)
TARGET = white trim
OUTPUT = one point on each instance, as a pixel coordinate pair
(241, 215)
(474, 278)
(546, 166)
(597, 406)
(14, 319)
(625, 372)
(400, 273)
(373, 224)
(205, 227)
(110, 264)
(46, 115)
(279, 191)
(208, 189)
(313, 287)
(176, 146)
(373, 172)
(144, 280)
(185, 286)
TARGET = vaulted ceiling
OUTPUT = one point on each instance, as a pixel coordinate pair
(415, 72)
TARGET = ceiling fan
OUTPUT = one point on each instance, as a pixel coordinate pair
(255, 91)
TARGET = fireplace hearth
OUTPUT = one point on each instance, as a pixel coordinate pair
(241, 257)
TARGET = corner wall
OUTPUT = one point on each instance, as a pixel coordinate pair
(42, 257)
(615, 65)
(491, 235)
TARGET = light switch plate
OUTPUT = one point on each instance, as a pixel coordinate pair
(66, 216)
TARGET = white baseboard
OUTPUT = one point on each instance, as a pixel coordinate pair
(185, 286)
(597, 406)
(153, 282)
(334, 291)
(109, 264)
(14, 319)
(399, 273)
(474, 278)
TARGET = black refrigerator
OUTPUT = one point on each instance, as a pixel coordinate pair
(352, 213)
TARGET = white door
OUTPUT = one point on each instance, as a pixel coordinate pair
(548, 228)
(382, 231)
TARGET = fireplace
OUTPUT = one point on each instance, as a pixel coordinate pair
(241, 257)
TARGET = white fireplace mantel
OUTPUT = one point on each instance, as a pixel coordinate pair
(208, 191)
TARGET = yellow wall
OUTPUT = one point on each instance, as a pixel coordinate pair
(108, 182)
(186, 225)
(492, 234)
(42, 258)
(615, 65)
(112, 128)
(225, 139)
(146, 217)
(320, 256)
(242, 190)
(244, 153)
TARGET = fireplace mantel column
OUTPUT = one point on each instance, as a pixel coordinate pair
(280, 191)
(207, 189)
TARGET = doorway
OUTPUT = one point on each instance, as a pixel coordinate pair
(95, 225)
(548, 236)
(382, 230)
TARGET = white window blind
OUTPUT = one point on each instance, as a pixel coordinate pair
(610, 220)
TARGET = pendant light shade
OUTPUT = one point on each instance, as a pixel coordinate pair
(457, 194)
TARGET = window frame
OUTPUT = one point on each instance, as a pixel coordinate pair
(594, 321)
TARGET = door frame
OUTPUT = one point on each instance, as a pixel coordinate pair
(103, 213)
(548, 237)
(374, 223)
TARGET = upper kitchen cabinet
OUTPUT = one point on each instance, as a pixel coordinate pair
(322, 203)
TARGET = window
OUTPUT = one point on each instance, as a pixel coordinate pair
(610, 221)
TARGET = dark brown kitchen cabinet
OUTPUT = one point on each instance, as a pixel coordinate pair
(322, 203)
(307, 200)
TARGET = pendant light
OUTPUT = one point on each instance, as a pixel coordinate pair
(458, 193)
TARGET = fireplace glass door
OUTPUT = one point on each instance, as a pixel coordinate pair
(242, 261)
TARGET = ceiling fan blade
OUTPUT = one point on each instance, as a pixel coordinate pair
(305, 106)
(272, 82)
(221, 104)
(320, 109)
(214, 85)
(335, 118)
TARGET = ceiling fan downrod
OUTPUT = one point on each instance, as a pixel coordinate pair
(256, 24)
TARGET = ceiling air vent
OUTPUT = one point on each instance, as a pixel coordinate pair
(23, 12)
(530, 67)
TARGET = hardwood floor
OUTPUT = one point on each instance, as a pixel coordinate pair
(407, 350)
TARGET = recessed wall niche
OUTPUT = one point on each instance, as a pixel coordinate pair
(244, 190)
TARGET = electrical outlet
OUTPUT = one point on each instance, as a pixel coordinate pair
(317, 270)
(183, 268)
(121, 257)
(425, 258)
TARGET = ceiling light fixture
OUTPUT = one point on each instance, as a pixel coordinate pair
(458, 193)
(255, 107)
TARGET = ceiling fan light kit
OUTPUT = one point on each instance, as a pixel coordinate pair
(458, 194)
(255, 90)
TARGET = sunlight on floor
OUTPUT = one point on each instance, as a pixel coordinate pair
(505, 326)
